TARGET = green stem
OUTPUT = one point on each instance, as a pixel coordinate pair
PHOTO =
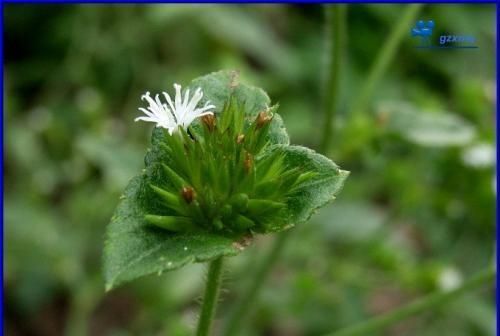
(86, 295)
(244, 304)
(385, 56)
(214, 279)
(377, 324)
(335, 37)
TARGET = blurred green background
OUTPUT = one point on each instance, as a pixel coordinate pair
(416, 215)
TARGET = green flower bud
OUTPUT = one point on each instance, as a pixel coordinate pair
(226, 211)
(171, 223)
(197, 214)
(170, 200)
(217, 223)
(243, 223)
(177, 181)
(240, 202)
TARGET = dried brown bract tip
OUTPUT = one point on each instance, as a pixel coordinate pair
(240, 138)
(263, 119)
(241, 244)
(188, 194)
(209, 121)
(248, 163)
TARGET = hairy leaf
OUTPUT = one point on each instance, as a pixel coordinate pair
(134, 248)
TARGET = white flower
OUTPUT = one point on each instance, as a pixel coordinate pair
(181, 113)
(450, 278)
(479, 156)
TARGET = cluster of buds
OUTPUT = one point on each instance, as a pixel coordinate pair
(217, 178)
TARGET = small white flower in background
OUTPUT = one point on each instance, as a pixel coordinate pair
(449, 278)
(178, 113)
(479, 156)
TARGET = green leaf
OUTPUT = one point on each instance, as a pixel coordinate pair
(324, 181)
(133, 248)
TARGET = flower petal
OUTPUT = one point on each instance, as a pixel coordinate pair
(169, 101)
(146, 119)
(186, 98)
(195, 100)
(178, 97)
(147, 112)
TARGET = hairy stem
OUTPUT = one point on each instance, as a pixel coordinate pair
(378, 323)
(334, 40)
(210, 298)
(385, 56)
(244, 303)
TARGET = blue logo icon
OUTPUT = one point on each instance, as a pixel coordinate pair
(423, 31)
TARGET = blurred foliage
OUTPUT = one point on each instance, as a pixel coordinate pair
(417, 214)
